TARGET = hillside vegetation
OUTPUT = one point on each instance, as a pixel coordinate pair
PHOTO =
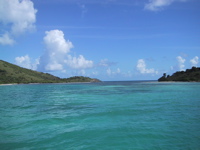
(190, 75)
(10, 73)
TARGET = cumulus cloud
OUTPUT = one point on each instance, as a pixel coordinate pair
(17, 16)
(155, 5)
(181, 62)
(25, 62)
(141, 67)
(56, 56)
(56, 51)
(55, 41)
(194, 61)
(78, 62)
(5, 39)
(53, 66)
(110, 72)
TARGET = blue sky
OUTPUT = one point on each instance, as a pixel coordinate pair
(105, 39)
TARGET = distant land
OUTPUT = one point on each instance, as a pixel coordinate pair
(11, 74)
(190, 75)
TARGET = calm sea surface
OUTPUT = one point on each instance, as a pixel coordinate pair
(98, 116)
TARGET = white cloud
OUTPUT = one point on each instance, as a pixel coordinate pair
(155, 5)
(56, 51)
(109, 72)
(53, 66)
(141, 67)
(25, 62)
(194, 61)
(55, 42)
(18, 16)
(78, 62)
(5, 39)
(106, 63)
(57, 57)
(181, 62)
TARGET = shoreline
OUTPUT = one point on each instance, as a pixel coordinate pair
(98, 82)
(179, 81)
(45, 83)
(8, 84)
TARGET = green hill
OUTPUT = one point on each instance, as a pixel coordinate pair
(10, 73)
(80, 79)
(190, 75)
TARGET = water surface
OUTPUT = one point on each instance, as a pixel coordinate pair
(107, 115)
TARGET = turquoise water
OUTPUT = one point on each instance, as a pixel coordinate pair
(108, 115)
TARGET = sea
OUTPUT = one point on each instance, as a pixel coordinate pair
(125, 115)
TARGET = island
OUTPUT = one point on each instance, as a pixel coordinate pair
(190, 75)
(13, 74)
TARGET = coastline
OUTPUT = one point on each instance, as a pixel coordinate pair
(8, 84)
(46, 83)
(177, 81)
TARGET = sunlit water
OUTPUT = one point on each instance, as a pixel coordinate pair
(108, 115)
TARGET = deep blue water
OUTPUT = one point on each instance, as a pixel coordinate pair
(108, 115)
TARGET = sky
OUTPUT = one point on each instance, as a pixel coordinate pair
(110, 40)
